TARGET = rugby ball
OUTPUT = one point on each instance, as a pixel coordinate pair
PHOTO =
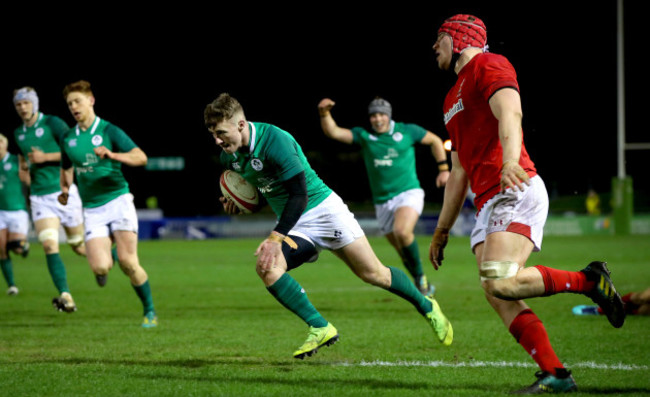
(245, 196)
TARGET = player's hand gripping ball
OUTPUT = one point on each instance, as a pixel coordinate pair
(244, 195)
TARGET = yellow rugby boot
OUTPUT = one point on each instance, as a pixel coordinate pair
(441, 326)
(323, 336)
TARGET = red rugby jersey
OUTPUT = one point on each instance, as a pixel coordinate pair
(473, 129)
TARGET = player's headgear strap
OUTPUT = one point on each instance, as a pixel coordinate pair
(379, 105)
(27, 94)
(465, 31)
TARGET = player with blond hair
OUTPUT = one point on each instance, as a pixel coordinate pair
(311, 217)
(95, 150)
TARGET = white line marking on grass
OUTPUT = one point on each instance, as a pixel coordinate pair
(494, 364)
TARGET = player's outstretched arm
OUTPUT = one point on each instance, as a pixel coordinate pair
(329, 126)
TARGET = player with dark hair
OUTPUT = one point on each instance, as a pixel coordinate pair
(311, 217)
(482, 113)
(38, 140)
(389, 154)
(14, 220)
(95, 150)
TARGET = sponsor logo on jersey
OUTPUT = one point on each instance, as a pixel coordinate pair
(387, 161)
(39, 132)
(457, 107)
(236, 166)
(72, 143)
(97, 140)
(21, 137)
(397, 137)
(257, 164)
(7, 166)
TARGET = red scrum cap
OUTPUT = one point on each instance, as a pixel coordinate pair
(465, 31)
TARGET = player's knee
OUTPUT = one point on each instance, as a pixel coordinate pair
(403, 236)
(498, 278)
(297, 250)
(49, 238)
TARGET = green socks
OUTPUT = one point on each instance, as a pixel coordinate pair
(57, 272)
(291, 295)
(411, 255)
(144, 293)
(114, 255)
(403, 287)
(7, 271)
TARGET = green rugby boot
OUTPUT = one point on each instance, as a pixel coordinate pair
(150, 320)
(323, 336)
(441, 326)
(547, 383)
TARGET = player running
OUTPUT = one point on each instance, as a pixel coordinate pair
(38, 140)
(311, 217)
(14, 220)
(389, 154)
(482, 112)
(96, 149)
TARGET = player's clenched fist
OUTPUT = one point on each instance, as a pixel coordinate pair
(438, 244)
(325, 106)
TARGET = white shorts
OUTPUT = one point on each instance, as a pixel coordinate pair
(330, 225)
(15, 221)
(48, 206)
(117, 214)
(514, 211)
(385, 212)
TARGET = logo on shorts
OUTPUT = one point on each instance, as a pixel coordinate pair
(398, 136)
(97, 140)
(257, 164)
(39, 132)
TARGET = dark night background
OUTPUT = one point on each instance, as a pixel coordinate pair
(153, 70)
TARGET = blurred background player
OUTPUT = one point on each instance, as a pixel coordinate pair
(311, 217)
(14, 220)
(482, 113)
(635, 303)
(95, 150)
(38, 140)
(389, 156)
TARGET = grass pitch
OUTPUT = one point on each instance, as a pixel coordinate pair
(222, 334)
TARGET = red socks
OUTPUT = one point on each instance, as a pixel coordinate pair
(530, 333)
(556, 281)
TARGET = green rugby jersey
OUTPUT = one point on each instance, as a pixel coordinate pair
(11, 189)
(272, 157)
(99, 180)
(45, 135)
(390, 159)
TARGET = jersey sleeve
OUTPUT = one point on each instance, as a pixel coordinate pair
(122, 142)
(416, 132)
(358, 134)
(58, 126)
(496, 73)
(283, 152)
